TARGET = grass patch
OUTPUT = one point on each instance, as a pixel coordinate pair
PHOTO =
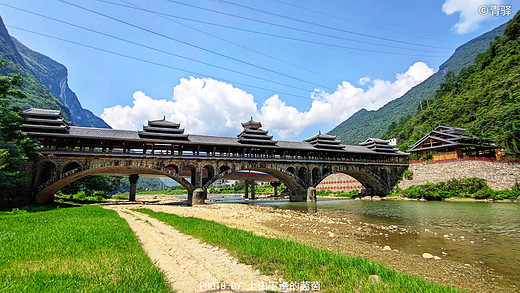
(298, 262)
(85, 249)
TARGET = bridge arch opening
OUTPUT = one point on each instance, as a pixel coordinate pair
(367, 182)
(223, 169)
(50, 186)
(303, 174)
(316, 175)
(338, 182)
(70, 166)
(173, 168)
(208, 172)
(46, 170)
(291, 170)
(190, 171)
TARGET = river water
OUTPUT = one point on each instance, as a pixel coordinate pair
(485, 235)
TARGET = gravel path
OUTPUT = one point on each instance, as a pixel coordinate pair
(189, 264)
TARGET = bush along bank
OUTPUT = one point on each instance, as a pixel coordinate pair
(326, 192)
(475, 188)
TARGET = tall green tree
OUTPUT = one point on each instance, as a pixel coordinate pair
(15, 146)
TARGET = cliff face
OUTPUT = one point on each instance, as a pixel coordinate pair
(40, 70)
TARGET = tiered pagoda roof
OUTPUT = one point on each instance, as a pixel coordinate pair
(379, 145)
(44, 121)
(325, 141)
(252, 134)
(163, 129)
(448, 137)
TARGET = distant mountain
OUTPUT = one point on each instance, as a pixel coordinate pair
(364, 124)
(45, 82)
(483, 98)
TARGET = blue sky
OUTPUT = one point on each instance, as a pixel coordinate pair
(298, 66)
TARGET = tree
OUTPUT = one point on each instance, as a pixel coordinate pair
(15, 146)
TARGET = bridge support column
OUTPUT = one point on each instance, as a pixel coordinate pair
(311, 194)
(133, 187)
(246, 189)
(198, 197)
(252, 182)
(275, 185)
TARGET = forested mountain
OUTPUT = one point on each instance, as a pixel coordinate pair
(364, 124)
(484, 97)
(45, 82)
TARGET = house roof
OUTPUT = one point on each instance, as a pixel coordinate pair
(448, 137)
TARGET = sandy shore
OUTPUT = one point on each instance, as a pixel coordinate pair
(341, 235)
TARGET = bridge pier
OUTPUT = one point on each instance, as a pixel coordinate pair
(252, 184)
(133, 187)
(198, 197)
(275, 185)
(311, 194)
(247, 184)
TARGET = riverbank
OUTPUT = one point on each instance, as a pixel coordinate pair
(343, 235)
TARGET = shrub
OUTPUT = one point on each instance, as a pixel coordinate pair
(486, 192)
(408, 174)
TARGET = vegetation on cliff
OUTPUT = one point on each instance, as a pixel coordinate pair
(484, 98)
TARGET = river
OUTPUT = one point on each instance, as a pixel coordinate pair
(486, 235)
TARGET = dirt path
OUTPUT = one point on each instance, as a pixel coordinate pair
(189, 264)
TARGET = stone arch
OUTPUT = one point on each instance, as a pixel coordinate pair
(173, 168)
(373, 184)
(193, 173)
(47, 188)
(69, 167)
(326, 172)
(291, 170)
(223, 168)
(222, 171)
(46, 170)
(208, 172)
(316, 175)
(289, 179)
(303, 174)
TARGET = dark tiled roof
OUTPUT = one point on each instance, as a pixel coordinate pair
(325, 141)
(449, 136)
(41, 112)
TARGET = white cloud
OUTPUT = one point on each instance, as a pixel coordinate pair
(364, 80)
(202, 106)
(470, 17)
(207, 106)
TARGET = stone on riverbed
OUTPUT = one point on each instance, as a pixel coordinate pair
(427, 255)
(387, 248)
(376, 198)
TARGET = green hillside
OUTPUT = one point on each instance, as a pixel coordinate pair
(364, 124)
(484, 97)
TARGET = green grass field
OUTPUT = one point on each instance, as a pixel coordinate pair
(298, 262)
(85, 249)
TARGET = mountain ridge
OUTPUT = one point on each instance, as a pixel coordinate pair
(45, 81)
(376, 123)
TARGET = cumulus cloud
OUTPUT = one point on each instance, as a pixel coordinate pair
(200, 105)
(207, 106)
(470, 18)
